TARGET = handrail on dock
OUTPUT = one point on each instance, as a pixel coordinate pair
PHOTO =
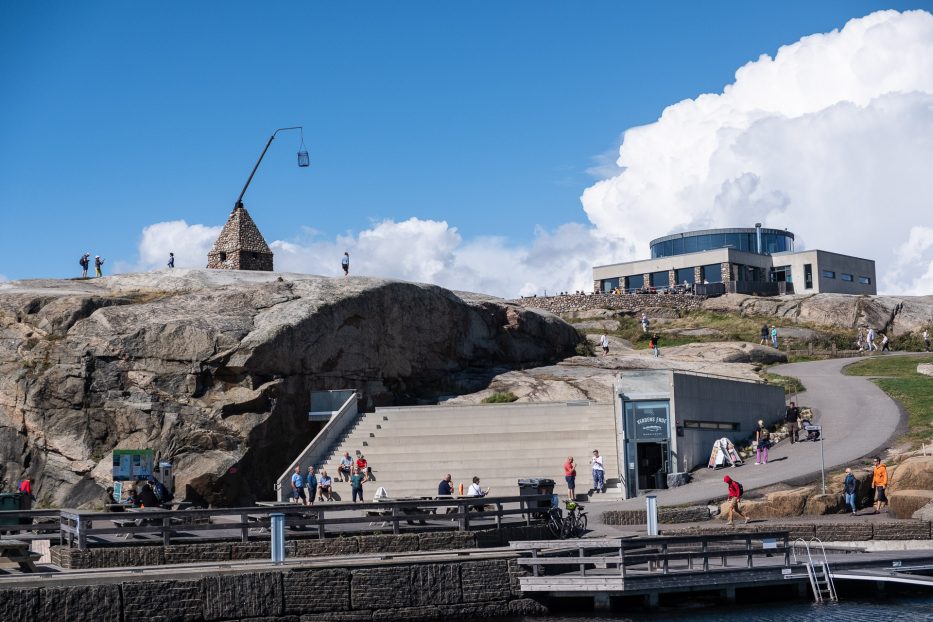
(81, 528)
(654, 554)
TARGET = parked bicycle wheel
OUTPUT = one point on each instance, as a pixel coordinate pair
(554, 523)
(580, 525)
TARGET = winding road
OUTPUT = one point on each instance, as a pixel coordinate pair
(857, 417)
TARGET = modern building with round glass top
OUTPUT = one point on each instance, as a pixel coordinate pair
(749, 239)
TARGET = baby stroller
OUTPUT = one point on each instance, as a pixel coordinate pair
(813, 432)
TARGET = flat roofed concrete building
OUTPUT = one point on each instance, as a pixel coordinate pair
(745, 260)
(667, 421)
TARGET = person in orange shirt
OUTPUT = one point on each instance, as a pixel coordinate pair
(879, 480)
(570, 476)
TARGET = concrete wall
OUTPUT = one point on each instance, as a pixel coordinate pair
(706, 398)
(824, 260)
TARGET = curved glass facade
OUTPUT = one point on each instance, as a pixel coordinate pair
(772, 241)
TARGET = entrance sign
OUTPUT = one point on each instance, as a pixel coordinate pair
(132, 464)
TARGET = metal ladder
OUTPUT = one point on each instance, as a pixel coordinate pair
(821, 577)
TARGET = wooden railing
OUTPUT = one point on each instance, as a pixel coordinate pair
(18, 521)
(80, 528)
(664, 555)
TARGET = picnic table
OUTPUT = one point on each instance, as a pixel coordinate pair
(18, 552)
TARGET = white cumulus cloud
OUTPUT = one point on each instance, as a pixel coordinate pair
(829, 138)
(190, 243)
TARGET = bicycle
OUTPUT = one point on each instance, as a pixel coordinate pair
(574, 524)
(554, 522)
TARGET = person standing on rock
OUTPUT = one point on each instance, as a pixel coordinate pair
(735, 493)
(879, 480)
(850, 488)
(98, 262)
(644, 323)
(774, 341)
(85, 262)
(171, 260)
(604, 343)
(570, 476)
(791, 423)
(345, 263)
(655, 344)
(599, 472)
(764, 335)
(762, 443)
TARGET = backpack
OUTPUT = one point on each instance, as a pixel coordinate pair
(741, 489)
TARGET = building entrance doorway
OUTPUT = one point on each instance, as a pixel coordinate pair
(652, 466)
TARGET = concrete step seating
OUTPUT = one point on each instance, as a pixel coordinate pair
(410, 449)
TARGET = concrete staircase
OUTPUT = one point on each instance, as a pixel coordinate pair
(411, 448)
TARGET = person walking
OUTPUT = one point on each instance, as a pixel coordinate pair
(774, 341)
(345, 263)
(870, 340)
(764, 335)
(599, 472)
(926, 339)
(655, 344)
(850, 487)
(171, 260)
(884, 343)
(879, 480)
(735, 494)
(791, 422)
(644, 323)
(604, 343)
(98, 262)
(85, 262)
(859, 338)
(570, 476)
(762, 443)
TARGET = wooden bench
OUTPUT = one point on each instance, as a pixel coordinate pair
(17, 551)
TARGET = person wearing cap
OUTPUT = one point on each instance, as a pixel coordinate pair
(599, 472)
(98, 262)
(735, 493)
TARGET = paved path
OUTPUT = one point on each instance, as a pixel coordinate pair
(857, 418)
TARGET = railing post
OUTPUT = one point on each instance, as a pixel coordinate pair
(464, 515)
(748, 551)
(395, 528)
(498, 515)
(664, 569)
(244, 528)
(534, 567)
(82, 534)
(622, 558)
(321, 524)
(277, 546)
(582, 553)
(651, 509)
(786, 550)
(705, 543)
(166, 530)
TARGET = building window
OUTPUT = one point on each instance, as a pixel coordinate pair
(829, 274)
(711, 425)
(636, 281)
(684, 275)
(223, 256)
(845, 277)
(780, 274)
(864, 280)
(808, 276)
(660, 279)
(712, 273)
(610, 284)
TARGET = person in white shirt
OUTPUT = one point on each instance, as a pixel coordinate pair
(599, 473)
(476, 491)
(926, 339)
(604, 343)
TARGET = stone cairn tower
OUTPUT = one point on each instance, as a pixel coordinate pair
(240, 246)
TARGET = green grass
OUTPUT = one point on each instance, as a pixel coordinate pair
(897, 376)
(790, 385)
(500, 398)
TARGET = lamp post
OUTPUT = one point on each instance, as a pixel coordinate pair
(303, 159)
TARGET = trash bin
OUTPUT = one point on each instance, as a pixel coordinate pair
(531, 486)
(9, 501)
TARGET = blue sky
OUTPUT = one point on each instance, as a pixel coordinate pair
(489, 116)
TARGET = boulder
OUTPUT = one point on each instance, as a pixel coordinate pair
(925, 368)
(904, 503)
(213, 369)
(789, 502)
(925, 513)
(678, 479)
(915, 473)
(725, 352)
(817, 505)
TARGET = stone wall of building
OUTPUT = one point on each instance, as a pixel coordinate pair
(240, 245)
(632, 303)
(365, 591)
(159, 555)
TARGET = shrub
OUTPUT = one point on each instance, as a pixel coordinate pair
(500, 398)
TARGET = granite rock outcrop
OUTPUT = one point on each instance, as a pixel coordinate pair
(214, 369)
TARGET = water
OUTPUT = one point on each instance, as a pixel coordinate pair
(893, 609)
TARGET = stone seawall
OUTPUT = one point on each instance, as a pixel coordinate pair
(414, 591)
(624, 302)
(159, 555)
(828, 532)
(668, 516)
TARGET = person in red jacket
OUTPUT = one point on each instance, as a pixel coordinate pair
(735, 493)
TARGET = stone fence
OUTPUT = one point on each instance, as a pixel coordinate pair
(226, 551)
(666, 515)
(367, 590)
(632, 303)
(832, 531)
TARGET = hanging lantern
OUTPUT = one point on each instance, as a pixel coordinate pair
(303, 159)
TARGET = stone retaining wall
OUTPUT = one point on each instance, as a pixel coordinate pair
(665, 515)
(624, 302)
(828, 532)
(159, 555)
(417, 591)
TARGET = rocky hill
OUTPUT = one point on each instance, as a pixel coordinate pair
(213, 369)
